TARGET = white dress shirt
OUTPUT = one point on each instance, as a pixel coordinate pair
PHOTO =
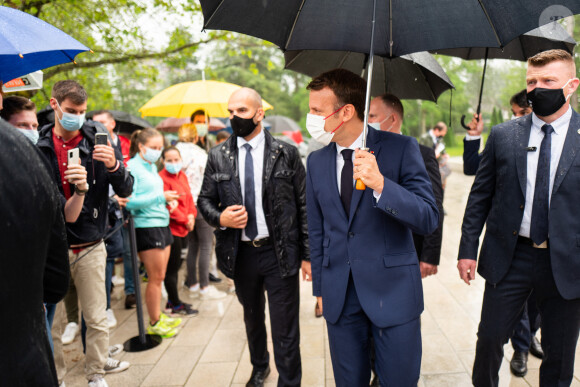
(340, 162)
(257, 144)
(536, 136)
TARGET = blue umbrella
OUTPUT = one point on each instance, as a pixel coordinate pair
(28, 44)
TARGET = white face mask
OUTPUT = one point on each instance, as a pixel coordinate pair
(377, 125)
(315, 126)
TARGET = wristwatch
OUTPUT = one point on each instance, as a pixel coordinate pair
(81, 192)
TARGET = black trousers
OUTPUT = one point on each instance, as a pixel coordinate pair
(502, 305)
(173, 266)
(257, 270)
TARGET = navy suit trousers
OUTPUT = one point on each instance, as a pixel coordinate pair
(398, 348)
(502, 305)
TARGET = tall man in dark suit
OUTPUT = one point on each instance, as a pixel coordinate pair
(364, 265)
(526, 191)
(253, 192)
(386, 113)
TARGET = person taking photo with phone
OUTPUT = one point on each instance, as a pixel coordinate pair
(87, 254)
(154, 239)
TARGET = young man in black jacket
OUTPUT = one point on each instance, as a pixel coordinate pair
(87, 254)
(253, 192)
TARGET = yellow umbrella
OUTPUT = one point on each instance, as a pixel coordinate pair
(184, 98)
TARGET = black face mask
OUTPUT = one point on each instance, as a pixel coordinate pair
(546, 102)
(243, 127)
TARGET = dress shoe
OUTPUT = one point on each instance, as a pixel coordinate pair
(519, 363)
(317, 311)
(213, 278)
(130, 301)
(536, 348)
(258, 377)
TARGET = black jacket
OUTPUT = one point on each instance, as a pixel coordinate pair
(33, 260)
(283, 201)
(471, 157)
(429, 246)
(92, 222)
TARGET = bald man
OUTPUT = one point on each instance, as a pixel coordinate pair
(253, 192)
(526, 193)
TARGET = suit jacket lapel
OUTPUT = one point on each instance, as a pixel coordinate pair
(522, 139)
(374, 146)
(231, 154)
(569, 151)
(271, 153)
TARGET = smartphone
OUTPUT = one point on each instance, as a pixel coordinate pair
(101, 139)
(73, 156)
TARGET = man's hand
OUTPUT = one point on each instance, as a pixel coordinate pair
(306, 271)
(234, 217)
(77, 174)
(122, 201)
(319, 301)
(427, 269)
(106, 154)
(466, 269)
(475, 126)
(366, 169)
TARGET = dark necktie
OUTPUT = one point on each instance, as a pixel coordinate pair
(541, 205)
(249, 195)
(346, 184)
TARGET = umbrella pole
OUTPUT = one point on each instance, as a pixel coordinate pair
(480, 92)
(359, 184)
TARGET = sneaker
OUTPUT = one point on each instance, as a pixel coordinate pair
(111, 320)
(169, 321)
(116, 349)
(211, 293)
(98, 381)
(193, 290)
(184, 309)
(117, 281)
(161, 329)
(113, 365)
(70, 332)
(130, 301)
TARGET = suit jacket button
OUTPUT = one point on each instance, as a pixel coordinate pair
(521, 206)
(515, 232)
(351, 234)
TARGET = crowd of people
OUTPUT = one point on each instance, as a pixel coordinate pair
(268, 217)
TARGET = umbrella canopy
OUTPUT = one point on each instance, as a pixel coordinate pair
(173, 124)
(184, 98)
(548, 37)
(126, 123)
(412, 76)
(402, 27)
(28, 44)
(280, 124)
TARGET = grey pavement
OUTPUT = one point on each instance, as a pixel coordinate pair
(212, 350)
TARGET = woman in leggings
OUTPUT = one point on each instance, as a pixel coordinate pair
(182, 213)
(147, 205)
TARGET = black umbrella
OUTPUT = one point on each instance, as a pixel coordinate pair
(403, 27)
(412, 76)
(547, 37)
(126, 123)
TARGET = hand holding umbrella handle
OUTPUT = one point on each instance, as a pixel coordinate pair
(360, 186)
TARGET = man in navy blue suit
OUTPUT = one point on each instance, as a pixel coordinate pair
(364, 266)
(526, 192)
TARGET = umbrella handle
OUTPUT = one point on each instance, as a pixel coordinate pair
(463, 122)
(360, 186)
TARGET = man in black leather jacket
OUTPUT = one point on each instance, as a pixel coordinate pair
(253, 192)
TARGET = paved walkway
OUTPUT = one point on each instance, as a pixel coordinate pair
(211, 350)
